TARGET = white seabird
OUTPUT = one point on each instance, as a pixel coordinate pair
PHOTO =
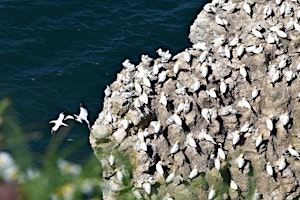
(187, 56)
(233, 185)
(223, 86)
(267, 11)
(58, 122)
(83, 115)
(193, 173)
(234, 41)
(191, 141)
(163, 99)
(196, 86)
(220, 21)
(236, 138)
(290, 76)
(147, 187)
(247, 8)
(257, 33)
(244, 103)
(284, 118)
(270, 125)
(221, 153)
(227, 51)
(175, 147)
(241, 161)
(208, 137)
(281, 164)
(276, 76)
(205, 114)
(204, 70)
(171, 176)
(269, 169)
(255, 93)
(293, 152)
(211, 193)
(244, 72)
(245, 127)
(258, 141)
(217, 163)
(159, 168)
(203, 56)
(240, 50)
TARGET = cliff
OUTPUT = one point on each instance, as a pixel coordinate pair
(223, 116)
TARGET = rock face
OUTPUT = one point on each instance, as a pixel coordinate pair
(235, 92)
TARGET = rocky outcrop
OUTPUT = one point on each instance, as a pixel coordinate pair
(234, 92)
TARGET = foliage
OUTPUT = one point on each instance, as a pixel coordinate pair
(56, 179)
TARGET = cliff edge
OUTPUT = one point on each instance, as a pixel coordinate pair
(219, 120)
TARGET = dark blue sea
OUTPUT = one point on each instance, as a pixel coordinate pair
(56, 53)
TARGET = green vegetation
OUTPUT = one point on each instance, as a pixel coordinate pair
(57, 178)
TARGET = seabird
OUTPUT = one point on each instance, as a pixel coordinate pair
(241, 161)
(163, 99)
(203, 56)
(227, 51)
(196, 86)
(279, 32)
(205, 114)
(217, 163)
(258, 141)
(147, 187)
(243, 72)
(176, 68)
(255, 93)
(111, 160)
(211, 193)
(221, 153)
(270, 124)
(146, 81)
(240, 50)
(247, 8)
(175, 147)
(245, 127)
(269, 169)
(236, 138)
(281, 164)
(244, 103)
(275, 77)
(267, 11)
(290, 76)
(257, 33)
(204, 70)
(234, 41)
(233, 185)
(220, 21)
(191, 141)
(285, 118)
(187, 56)
(208, 137)
(193, 173)
(223, 86)
(159, 168)
(177, 119)
(58, 122)
(83, 115)
(170, 177)
(107, 91)
(138, 87)
(293, 152)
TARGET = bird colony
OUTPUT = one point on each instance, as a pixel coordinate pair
(219, 120)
